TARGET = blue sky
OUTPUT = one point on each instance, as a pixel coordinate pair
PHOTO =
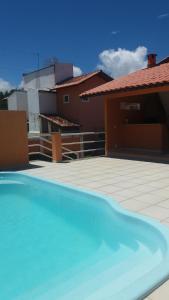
(77, 32)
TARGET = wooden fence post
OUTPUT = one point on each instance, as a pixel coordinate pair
(56, 147)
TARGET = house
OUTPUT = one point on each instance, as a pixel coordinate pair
(88, 113)
(137, 109)
(50, 96)
(36, 96)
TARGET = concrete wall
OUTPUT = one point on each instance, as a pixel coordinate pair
(40, 102)
(12, 101)
(63, 72)
(13, 140)
(46, 78)
(47, 102)
(34, 110)
(90, 115)
(41, 79)
(18, 101)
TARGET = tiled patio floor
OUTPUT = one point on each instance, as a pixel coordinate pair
(141, 187)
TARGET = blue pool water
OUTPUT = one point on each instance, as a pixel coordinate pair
(58, 243)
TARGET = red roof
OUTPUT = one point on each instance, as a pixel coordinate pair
(79, 79)
(145, 78)
(59, 121)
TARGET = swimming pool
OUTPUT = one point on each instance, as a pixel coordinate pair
(62, 243)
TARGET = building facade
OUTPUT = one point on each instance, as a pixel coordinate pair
(50, 97)
(137, 110)
(87, 112)
(36, 96)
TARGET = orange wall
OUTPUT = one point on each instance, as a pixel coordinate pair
(90, 115)
(13, 139)
(146, 136)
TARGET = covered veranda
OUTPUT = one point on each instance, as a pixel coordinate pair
(137, 110)
(137, 122)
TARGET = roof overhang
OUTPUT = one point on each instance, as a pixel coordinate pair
(82, 80)
(130, 91)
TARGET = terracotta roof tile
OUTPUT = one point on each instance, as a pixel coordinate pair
(59, 121)
(79, 79)
(149, 77)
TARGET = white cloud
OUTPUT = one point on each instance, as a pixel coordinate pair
(114, 32)
(163, 16)
(77, 71)
(122, 61)
(5, 85)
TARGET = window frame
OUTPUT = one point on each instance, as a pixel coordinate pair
(66, 101)
(86, 99)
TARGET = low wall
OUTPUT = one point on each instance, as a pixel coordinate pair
(145, 136)
(13, 140)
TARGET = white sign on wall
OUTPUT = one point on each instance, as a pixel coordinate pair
(130, 106)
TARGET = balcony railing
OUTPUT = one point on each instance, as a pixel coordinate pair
(67, 146)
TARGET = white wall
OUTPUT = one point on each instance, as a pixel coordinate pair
(40, 102)
(63, 72)
(18, 101)
(34, 110)
(12, 102)
(34, 101)
(46, 78)
(47, 102)
(41, 79)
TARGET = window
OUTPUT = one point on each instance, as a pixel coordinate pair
(66, 99)
(85, 99)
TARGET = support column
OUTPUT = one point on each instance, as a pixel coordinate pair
(112, 125)
(56, 147)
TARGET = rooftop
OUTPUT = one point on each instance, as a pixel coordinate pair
(150, 77)
(164, 61)
(79, 79)
(52, 65)
(38, 70)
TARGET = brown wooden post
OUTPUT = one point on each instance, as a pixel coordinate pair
(56, 147)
